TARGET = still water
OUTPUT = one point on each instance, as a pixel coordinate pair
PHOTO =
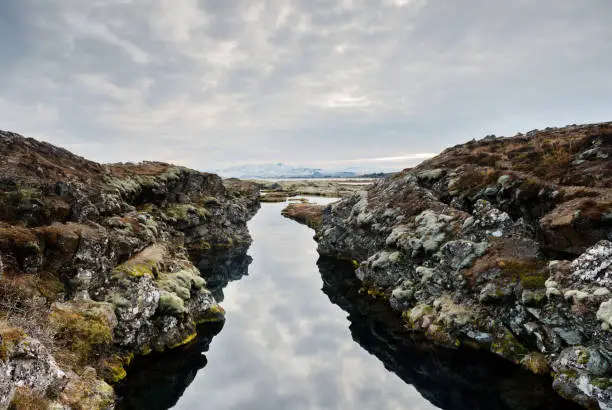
(285, 346)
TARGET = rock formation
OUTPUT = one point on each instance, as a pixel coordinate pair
(502, 244)
(97, 265)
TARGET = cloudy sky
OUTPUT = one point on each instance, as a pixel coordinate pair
(330, 83)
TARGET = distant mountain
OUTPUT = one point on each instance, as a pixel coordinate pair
(280, 170)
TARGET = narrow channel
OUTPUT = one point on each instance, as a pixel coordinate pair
(285, 346)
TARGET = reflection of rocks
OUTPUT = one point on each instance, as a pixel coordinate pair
(458, 379)
(221, 267)
(158, 381)
(510, 238)
(96, 265)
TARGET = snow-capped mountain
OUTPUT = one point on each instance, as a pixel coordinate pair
(280, 170)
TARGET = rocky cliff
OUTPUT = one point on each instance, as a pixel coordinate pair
(502, 244)
(97, 264)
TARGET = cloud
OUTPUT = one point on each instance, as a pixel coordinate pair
(213, 84)
(297, 351)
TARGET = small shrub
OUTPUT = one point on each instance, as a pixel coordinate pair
(26, 399)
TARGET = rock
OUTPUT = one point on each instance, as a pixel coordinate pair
(492, 293)
(604, 313)
(460, 254)
(471, 233)
(577, 224)
(402, 296)
(25, 362)
(595, 265)
(531, 297)
(109, 251)
(570, 336)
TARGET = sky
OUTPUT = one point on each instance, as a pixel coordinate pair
(327, 83)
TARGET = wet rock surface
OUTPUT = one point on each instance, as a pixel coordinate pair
(503, 245)
(98, 265)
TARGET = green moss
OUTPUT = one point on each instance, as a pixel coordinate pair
(509, 347)
(112, 370)
(414, 315)
(185, 341)
(583, 357)
(83, 328)
(535, 362)
(137, 269)
(171, 304)
(441, 337)
(200, 245)
(214, 314)
(210, 200)
(88, 392)
(180, 283)
(533, 281)
(570, 373)
(603, 383)
(49, 286)
(374, 292)
(530, 273)
(224, 245)
(181, 212)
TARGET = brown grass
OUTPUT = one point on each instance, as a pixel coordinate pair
(26, 399)
(309, 214)
(123, 170)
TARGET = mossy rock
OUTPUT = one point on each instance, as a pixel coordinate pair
(181, 212)
(171, 304)
(508, 347)
(200, 245)
(190, 338)
(534, 281)
(88, 392)
(215, 313)
(112, 369)
(49, 286)
(228, 243)
(414, 315)
(531, 274)
(181, 283)
(603, 383)
(137, 269)
(535, 362)
(84, 328)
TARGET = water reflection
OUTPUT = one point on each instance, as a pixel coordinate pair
(450, 379)
(285, 346)
(221, 267)
(158, 381)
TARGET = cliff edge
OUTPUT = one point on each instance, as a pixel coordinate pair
(97, 265)
(502, 244)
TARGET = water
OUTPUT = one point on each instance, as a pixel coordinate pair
(285, 346)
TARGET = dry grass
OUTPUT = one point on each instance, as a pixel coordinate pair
(309, 214)
(25, 303)
(123, 170)
(26, 399)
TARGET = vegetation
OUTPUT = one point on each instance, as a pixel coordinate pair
(26, 399)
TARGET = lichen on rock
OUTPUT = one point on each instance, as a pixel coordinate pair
(503, 244)
(96, 262)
